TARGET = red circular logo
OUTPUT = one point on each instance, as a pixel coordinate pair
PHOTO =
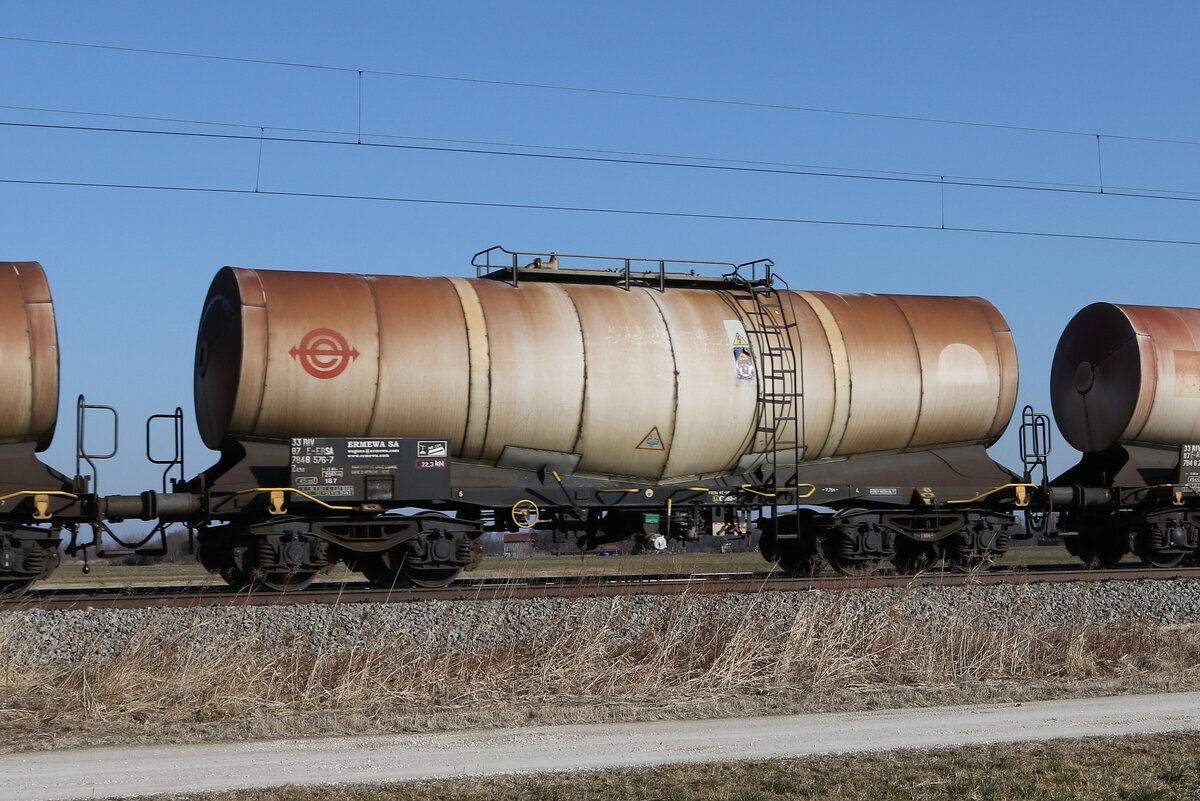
(323, 353)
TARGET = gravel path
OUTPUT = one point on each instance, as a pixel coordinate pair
(100, 773)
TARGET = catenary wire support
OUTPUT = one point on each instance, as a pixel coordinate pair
(262, 132)
(942, 184)
(1099, 164)
(360, 79)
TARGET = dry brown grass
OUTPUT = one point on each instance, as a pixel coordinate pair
(573, 667)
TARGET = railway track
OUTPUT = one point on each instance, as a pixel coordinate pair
(561, 587)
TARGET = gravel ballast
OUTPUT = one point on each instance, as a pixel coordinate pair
(63, 637)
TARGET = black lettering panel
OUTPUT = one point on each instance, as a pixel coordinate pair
(374, 469)
(1189, 465)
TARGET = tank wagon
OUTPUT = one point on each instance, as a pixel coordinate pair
(37, 503)
(635, 399)
(1125, 389)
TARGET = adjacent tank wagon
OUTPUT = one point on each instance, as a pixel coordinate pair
(36, 501)
(1125, 388)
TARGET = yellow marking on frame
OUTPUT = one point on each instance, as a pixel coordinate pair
(1014, 487)
(41, 501)
(1022, 493)
(301, 493)
(55, 493)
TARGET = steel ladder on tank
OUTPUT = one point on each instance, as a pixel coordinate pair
(770, 319)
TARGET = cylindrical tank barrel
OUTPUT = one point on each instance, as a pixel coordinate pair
(639, 382)
(28, 355)
(1128, 374)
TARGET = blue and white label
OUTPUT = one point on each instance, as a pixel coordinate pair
(743, 359)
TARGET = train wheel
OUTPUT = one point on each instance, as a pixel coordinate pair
(394, 569)
(855, 567)
(800, 562)
(1099, 557)
(1099, 548)
(976, 546)
(845, 553)
(1164, 540)
(914, 557)
(1149, 541)
(848, 565)
(379, 571)
(1162, 559)
(796, 556)
(963, 563)
(289, 581)
(11, 588)
(234, 577)
(430, 577)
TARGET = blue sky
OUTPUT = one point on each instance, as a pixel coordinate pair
(129, 269)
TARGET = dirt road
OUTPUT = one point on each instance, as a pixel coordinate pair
(99, 773)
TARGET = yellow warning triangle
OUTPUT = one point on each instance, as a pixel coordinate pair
(738, 339)
(651, 442)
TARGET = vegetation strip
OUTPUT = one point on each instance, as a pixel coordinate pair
(71, 678)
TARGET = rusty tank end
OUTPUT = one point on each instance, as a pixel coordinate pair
(1128, 375)
(28, 355)
(640, 382)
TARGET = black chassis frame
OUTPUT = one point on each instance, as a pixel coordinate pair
(960, 485)
(36, 503)
(1129, 498)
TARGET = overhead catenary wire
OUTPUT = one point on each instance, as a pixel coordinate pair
(931, 181)
(610, 157)
(559, 148)
(602, 210)
(601, 91)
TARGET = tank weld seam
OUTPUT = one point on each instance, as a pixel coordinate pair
(33, 386)
(477, 390)
(842, 375)
(470, 367)
(912, 334)
(369, 280)
(583, 393)
(266, 340)
(670, 441)
(1147, 339)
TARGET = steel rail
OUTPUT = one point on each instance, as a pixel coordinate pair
(492, 589)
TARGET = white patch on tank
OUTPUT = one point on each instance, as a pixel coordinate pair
(961, 365)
